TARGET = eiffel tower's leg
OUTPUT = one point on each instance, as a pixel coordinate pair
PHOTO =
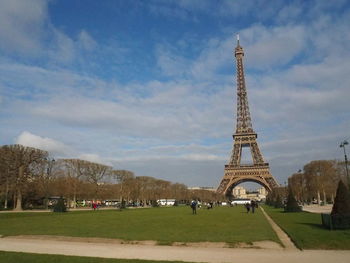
(272, 182)
(236, 154)
(257, 157)
(223, 185)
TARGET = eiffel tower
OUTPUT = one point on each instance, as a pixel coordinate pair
(235, 172)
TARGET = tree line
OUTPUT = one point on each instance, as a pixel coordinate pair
(316, 183)
(30, 176)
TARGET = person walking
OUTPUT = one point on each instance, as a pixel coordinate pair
(247, 206)
(194, 207)
(253, 206)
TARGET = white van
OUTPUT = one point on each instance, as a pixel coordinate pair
(240, 201)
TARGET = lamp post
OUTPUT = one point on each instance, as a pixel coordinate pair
(342, 145)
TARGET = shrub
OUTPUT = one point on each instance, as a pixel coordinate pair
(342, 200)
(60, 206)
(340, 215)
(292, 204)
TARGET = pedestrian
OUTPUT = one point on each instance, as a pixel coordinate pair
(94, 206)
(253, 206)
(194, 207)
(247, 206)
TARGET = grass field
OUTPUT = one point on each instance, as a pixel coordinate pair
(306, 231)
(165, 225)
(12, 257)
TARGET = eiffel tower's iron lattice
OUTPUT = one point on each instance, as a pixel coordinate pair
(235, 172)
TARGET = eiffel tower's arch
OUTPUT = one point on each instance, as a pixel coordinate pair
(252, 179)
(245, 136)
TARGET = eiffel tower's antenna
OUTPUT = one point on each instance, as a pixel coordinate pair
(237, 39)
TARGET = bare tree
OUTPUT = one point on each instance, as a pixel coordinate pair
(21, 161)
(95, 172)
(125, 179)
(75, 170)
(49, 169)
(322, 178)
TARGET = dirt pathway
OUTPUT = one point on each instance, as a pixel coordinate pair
(192, 254)
(287, 243)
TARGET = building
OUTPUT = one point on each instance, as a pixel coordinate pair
(241, 193)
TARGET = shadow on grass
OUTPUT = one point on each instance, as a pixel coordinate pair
(314, 225)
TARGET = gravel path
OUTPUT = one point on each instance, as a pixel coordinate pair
(193, 254)
(318, 209)
(287, 243)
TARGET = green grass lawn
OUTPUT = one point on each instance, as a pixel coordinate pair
(306, 231)
(14, 257)
(165, 225)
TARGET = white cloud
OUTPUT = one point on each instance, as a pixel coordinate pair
(267, 47)
(26, 30)
(22, 25)
(55, 147)
(94, 158)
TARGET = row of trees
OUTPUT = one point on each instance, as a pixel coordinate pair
(318, 181)
(28, 175)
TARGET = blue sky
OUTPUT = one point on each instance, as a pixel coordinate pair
(149, 86)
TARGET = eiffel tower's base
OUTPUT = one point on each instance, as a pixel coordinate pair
(235, 175)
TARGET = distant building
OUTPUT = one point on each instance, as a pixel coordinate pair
(241, 193)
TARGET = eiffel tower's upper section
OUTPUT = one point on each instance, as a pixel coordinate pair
(244, 122)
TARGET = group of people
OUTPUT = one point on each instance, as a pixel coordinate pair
(194, 205)
(251, 206)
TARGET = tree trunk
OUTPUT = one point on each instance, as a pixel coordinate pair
(74, 200)
(46, 202)
(6, 193)
(18, 206)
(318, 197)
